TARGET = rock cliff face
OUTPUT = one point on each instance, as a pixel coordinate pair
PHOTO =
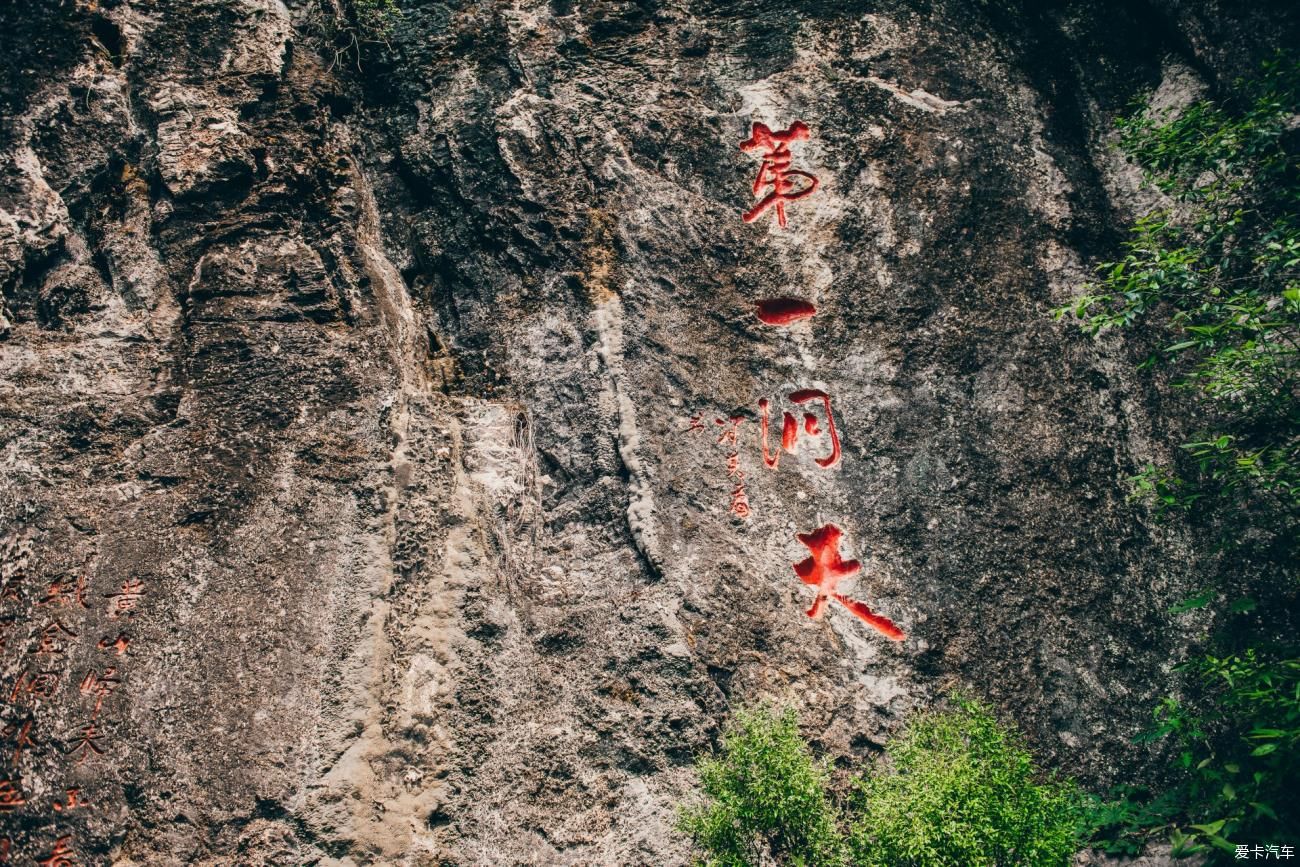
(377, 397)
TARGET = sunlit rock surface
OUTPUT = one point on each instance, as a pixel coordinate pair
(369, 493)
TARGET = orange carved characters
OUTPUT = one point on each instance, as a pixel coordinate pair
(62, 856)
(101, 686)
(119, 644)
(123, 602)
(19, 734)
(775, 170)
(63, 592)
(11, 795)
(87, 743)
(73, 802)
(790, 428)
(50, 642)
(731, 436)
(42, 684)
(825, 568)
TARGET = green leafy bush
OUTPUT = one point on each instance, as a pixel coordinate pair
(767, 798)
(962, 792)
(1237, 764)
(959, 790)
(1220, 271)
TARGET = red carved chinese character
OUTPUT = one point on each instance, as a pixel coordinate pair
(776, 171)
(49, 642)
(739, 498)
(696, 422)
(62, 856)
(40, 683)
(730, 435)
(100, 685)
(20, 735)
(790, 428)
(87, 743)
(825, 569)
(5, 845)
(120, 644)
(11, 795)
(6, 627)
(123, 602)
(65, 593)
(74, 801)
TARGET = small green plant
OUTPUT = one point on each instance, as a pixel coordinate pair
(1221, 270)
(962, 791)
(348, 25)
(1237, 762)
(767, 798)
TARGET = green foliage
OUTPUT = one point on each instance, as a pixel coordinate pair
(963, 792)
(767, 798)
(1237, 762)
(1221, 270)
(347, 26)
(375, 17)
(959, 791)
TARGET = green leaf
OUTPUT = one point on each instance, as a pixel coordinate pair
(1263, 749)
(1264, 809)
(1200, 600)
(1243, 605)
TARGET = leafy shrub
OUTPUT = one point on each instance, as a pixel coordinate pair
(1238, 762)
(767, 798)
(963, 792)
(1221, 270)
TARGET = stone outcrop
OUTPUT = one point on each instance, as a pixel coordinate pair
(365, 389)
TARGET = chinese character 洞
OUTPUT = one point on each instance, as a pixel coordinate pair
(39, 683)
(62, 856)
(730, 435)
(124, 601)
(87, 743)
(825, 568)
(100, 685)
(790, 428)
(49, 642)
(774, 148)
(11, 796)
(73, 802)
(20, 735)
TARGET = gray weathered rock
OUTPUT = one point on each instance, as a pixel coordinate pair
(368, 377)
